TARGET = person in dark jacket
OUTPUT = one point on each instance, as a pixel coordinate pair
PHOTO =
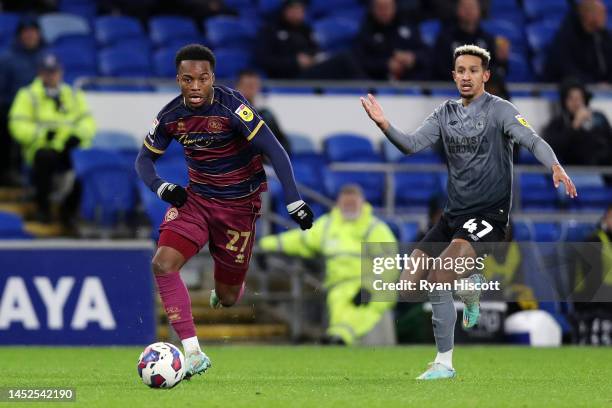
(287, 49)
(18, 67)
(466, 30)
(579, 135)
(582, 48)
(390, 48)
(249, 85)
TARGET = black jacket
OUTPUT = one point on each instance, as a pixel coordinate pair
(577, 54)
(376, 43)
(589, 145)
(279, 45)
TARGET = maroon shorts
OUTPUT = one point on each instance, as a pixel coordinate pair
(228, 227)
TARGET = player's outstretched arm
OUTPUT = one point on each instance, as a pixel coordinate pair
(426, 135)
(169, 192)
(519, 129)
(299, 211)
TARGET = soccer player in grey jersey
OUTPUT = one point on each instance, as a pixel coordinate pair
(478, 132)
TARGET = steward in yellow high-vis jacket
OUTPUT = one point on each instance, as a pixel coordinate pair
(337, 236)
(49, 118)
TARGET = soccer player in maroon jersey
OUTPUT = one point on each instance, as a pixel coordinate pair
(223, 138)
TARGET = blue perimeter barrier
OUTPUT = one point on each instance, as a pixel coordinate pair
(76, 293)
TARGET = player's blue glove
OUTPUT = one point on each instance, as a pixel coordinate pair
(301, 214)
(173, 194)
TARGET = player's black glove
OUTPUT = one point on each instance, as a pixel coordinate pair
(173, 194)
(301, 214)
(363, 297)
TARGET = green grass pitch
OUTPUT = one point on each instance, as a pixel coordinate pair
(310, 376)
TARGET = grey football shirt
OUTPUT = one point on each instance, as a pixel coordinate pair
(478, 141)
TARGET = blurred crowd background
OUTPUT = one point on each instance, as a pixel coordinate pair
(64, 175)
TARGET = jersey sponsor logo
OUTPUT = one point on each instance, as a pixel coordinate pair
(153, 127)
(522, 121)
(245, 113)
(480, 124)
(214, 125)
(180, 127)
(171, 214)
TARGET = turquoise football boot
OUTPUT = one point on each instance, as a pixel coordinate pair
(471, 301)
(215, 302)
(197, 363)
(437, 371)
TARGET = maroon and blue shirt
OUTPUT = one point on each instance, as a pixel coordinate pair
(216, 138)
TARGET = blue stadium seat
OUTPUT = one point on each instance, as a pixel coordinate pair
(540, 35)
(371, 183)
(426, 156)
(519, 69)
(578, 231)
(335, 33)
(163, 63)
(322, 8)
(537, 191)
(11, 227)
(229, 32)
(78, 57)
(115, 140)
(543, 9)
(154, 208)
(409, 231)
(84, 8)
(300, 144)
(503, 6)
(312, 159)
(344, 147)
(522, 231)
(416, 189)
(390, 152)
(108, 186)
(8, 26)
(111, 30)
(57, 25)
(429, 30)
(393, 225)
(547, 231)
(230, 62)
(593, 193)
(355, 13)
(166, 29)
(526, 157)
(269, 7)
(124, 61)
(510, 30)
(308, 175)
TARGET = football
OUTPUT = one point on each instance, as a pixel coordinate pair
(161, 365)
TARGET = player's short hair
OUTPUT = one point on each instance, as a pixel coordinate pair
(247, 72)
(471, 49)
(195, 52)
(351, 189)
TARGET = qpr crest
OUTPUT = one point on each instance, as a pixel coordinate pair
(171, 214)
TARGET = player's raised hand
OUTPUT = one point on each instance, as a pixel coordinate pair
(301, 213)
(374, 111)
(560, 176)
(172, 194)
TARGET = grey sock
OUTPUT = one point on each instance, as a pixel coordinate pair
(443, 319)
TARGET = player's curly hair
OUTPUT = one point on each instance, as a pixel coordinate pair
(471, 49)
(195, 52)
